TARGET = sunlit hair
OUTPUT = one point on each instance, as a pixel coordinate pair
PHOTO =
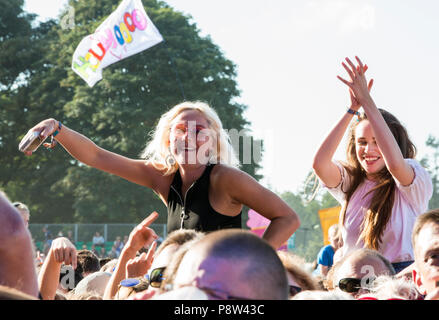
(293, 266)
(387, 287)
(378, 214)
(178, 238)
(157, 149)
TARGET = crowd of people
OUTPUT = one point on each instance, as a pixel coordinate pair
(385, 246)
(224, 264)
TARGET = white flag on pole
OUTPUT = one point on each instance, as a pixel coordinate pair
(127, 31)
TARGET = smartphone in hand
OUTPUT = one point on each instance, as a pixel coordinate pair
(30, 142)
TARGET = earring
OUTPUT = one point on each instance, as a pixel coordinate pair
(170, 160)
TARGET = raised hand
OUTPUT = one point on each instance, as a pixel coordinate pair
(359, 88)
(142, 236)
(64, 251)
(45, 128)
(140, 265)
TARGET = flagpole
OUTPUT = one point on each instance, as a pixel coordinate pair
(175, 70)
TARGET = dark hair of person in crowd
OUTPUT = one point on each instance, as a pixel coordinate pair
(103, 261)
(88, 262)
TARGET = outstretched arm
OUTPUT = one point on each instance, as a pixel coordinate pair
(385, 140)
(86, 151)
(243, 189)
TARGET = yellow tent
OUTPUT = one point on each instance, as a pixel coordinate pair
(328, 217)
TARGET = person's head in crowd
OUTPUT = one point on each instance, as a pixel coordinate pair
(103, 261)
(60, 295)
(66, 284)
(109, 266)
(166, 251)
(4, 195)
(94, 284)
(334, 237)
(225, 264)
(165, 145)
(322, 295)
(7, 293)
(82, 296)
(298, 278)
(314, 265)
(390, 288)
(130, 286)
(183, 293)
(356, 272)
(17, 255)
(88, 262)
(174, 263)
(425, 241)
(24, 211)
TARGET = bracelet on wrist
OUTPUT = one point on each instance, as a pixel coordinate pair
(57, 130)
(353, 112)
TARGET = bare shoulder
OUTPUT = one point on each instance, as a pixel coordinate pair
(223, 173)
(225, 176)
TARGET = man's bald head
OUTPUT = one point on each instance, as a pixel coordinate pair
(361, 264)
(234, 263)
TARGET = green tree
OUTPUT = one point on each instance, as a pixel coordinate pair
(431, 162)
(15, 41)
(309, 236)
(117, 113)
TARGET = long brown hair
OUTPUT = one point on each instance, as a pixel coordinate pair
(380, 209)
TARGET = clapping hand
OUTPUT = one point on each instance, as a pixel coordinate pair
(359, 88)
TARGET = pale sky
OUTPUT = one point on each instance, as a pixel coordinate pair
(289, 52)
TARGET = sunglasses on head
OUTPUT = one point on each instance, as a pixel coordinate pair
(353, 285)
(156, 277)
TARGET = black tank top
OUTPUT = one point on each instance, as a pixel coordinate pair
(193, 210)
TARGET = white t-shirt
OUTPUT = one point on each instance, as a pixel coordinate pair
(410, 201)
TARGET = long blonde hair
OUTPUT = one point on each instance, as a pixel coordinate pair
(380, 209)
(157, 149)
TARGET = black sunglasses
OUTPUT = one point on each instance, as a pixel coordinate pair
(353, 285)
(156, 277)
(350, 285)
(294, 290)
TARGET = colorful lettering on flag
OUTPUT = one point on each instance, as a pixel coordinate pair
(127, 31)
